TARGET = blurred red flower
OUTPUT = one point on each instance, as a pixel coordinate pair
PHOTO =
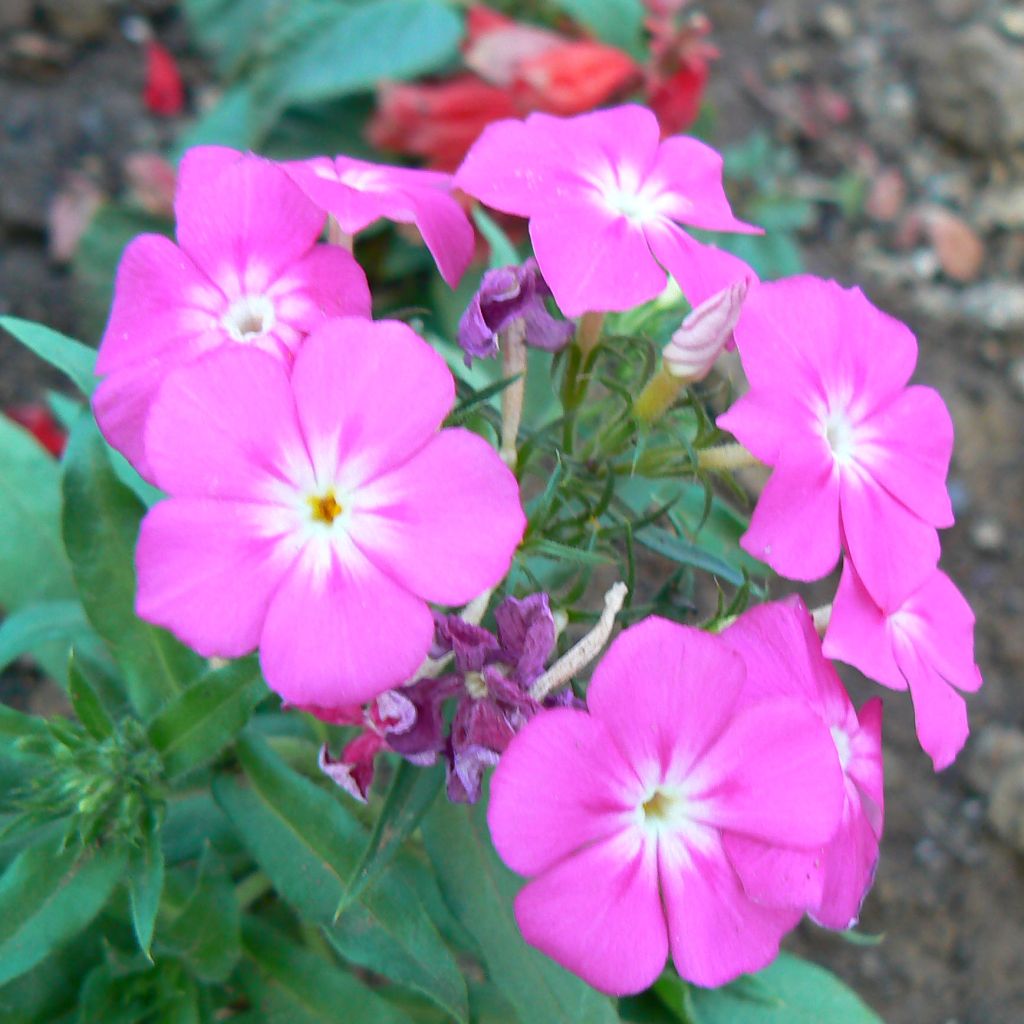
(41, 424)
(164, 92)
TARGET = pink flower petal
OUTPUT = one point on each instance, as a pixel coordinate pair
(206, 571)
(369, 396)
(248, 224)
(325, 283)
(352, 207)
(850, 861)
(594, 259)
(766, 422)
(512, 167)
(446, 231)
(910, 457)
(446, 523)
(162, 303)
(777, 876)
(225, 427)
(560, 786)
(121, 405)
(651, 692)
(865, 766)
(619, 141)
(200, 165)
(774, 774)
(892, 549)
(692, 171)
(857, 632)
(341, 632)
(717, 933)
(795, 525)
(699, 269)
(940, 713)
(584, 926)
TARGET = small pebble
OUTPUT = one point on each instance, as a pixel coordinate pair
(988, 536)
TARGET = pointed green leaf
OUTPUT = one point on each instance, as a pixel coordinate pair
(86, 701)
(299, 987)
(49, 895)
(72, 358)
(43, 622)
(413, 790)
(479, 890)
(682, 552)
(195, 726)
(101, 521)
(146, 884)
(618, 22)
(309, 844)
(790, 991)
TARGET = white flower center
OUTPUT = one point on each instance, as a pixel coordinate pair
(248, 317)
(665, 809)
(840, 435)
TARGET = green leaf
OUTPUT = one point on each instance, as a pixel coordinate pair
(790, 991)
(618, 22)
(503, 252)
(352, 48)
(146, 883)
(309, 845)
(206, 932)
(72, 358)
(564, 553)
(195, 726)
(413, 789)
(35, 625)
(53, 987)
(299, 987)
(479, 890)
(87, 702)
(49, 895)
(101, 521)
(682, 552)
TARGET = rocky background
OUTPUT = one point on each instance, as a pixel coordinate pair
(903, 124)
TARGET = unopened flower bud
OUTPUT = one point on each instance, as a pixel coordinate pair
(704, 333)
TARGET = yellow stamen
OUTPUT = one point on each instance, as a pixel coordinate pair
(325, 508)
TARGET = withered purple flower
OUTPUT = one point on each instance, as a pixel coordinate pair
(508, 294)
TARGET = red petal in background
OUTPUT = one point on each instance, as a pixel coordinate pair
(40, 423)
(164, 93)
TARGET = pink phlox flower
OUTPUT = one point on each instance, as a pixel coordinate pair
(622, 816)
(783, 657)
(247, 271)
(356, 193)
(315, 514)
(859, 458)
(924, 641)
(605, 198)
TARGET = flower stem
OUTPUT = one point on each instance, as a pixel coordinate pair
(658, 394)
(726, 456)
(335, 236)
(583, 652)
(512, 342)
(588, 334)
(821, 617)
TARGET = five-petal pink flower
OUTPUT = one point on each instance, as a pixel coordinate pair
(247, 271)
(356, 193)
(605, 198)
(859, 458)
(314, 516)
(924, 641)
(782, 653)
(624, 815)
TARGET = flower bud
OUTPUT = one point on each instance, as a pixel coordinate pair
(704, 333)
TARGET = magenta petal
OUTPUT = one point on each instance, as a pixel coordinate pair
(512, 167)
(121, 405)
(766, 422)
(692, 170)
(599, 914)
(352, 207)
(594, 259)
(850, 861)
(162, 303)
(251, 221)
(893, 550)
(940, 713)
(651, 690)
(943, 630)
(447, 522)
(369, 395)
(795, 525)
(775, 775)
(777, 876)
(206, 570)
(446, 231)
(225, 426)
(339, 631)
(560, 785)
(909, 452)
(326, 282)
(199, 166)
(717, 932)
(700, 270)
(857, 632)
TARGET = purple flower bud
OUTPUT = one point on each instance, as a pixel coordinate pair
(507, 294)
(526, 632)
(706, 330)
